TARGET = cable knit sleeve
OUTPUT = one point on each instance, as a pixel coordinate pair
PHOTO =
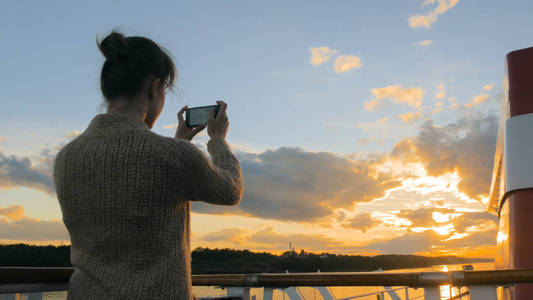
(218, 181)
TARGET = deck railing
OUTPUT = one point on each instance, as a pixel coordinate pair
(479, 284)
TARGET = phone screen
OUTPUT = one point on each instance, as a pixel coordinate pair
(199, 115)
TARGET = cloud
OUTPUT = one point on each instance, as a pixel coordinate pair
(361, 222)
(2, 139)
(232, 235)
(345, 63)
(420, 20)
(366, 141)
(170, 126)
(291, 184)
(367, 126)
(372, 105)
(424, 43)
(27, 229)
(406, 244)
(423, 217)
(477, 100)
(19, 171)
(320, 55)
(397, 94)
(441, 91)
(269, 239)
(476, 239)
(72, 134)
(13, 212)
(438, 107)
(466, 147)
(488, 87)
(469, 219)
(428, 242)
(410, 117)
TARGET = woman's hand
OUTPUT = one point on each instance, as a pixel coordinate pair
(184, 132)
(218, 127)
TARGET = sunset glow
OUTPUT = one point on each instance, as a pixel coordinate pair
(361, 127)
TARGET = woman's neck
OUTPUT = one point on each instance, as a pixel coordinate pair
(136, 111)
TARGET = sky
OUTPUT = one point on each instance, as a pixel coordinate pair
(362, 127)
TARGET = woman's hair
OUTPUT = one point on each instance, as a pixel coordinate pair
(129, 62)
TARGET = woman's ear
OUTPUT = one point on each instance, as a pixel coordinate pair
(155, 89)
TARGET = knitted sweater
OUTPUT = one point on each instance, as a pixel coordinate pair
(125, 195)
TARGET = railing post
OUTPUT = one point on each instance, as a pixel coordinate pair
(293, 293)
(432, 293)
(406, 293)
(268, 293)
(35, 296)
(239, 291)
(482, 292)
(324, 292)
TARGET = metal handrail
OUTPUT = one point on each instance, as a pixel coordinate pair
(31, 278)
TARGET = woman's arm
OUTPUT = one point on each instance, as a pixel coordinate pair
(216, 182)
(219, 181)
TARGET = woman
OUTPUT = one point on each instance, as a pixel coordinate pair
(125, 191)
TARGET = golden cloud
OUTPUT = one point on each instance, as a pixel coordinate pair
(477, 100)
(362, 222)
(424, 43)
(30, 230)
(345, 63)
(488, 87)
(13, 212)
(397, 94)
(420, 20)
(283, 184)
(441, 91)
(320, 55)
(466, 147)
(410, 117)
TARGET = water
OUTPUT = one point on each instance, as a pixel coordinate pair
(312, 294)
(341, 292)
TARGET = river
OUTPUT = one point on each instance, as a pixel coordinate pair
(342, 292)
(312, 294)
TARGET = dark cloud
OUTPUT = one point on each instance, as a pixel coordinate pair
(362, 222)
(469, 219)
(466, 146)
(19, 171)
(423, 217)
(293, 184)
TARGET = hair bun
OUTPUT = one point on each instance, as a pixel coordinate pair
(114, 47)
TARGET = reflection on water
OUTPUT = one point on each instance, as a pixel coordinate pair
(338, 292)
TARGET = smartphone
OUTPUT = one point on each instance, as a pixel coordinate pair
(196, 116)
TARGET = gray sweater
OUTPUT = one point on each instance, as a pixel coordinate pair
(125, 195)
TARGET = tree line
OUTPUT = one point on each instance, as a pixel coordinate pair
(217, 261)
